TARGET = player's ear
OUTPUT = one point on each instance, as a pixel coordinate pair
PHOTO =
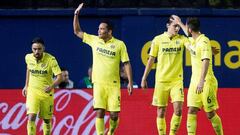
(167, 25)
(190, 30)
(110, 32)
(43, 48)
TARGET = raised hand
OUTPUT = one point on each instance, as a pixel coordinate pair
(176, 19)
(77, 11)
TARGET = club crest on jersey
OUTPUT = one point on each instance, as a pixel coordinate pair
(112, 46)
(43, 65)
(177, 42)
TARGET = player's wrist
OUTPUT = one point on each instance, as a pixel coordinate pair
(76, 13)
(130, 82)
(53, 86)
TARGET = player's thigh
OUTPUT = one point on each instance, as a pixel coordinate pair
(177, 92)
(161, 94)
(32, 103)
(46, 108)
(210, 102)
(194, 99)
(114, 98)
(99, 96)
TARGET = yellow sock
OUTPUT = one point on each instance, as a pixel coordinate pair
(112, 126)
(191, 124)
(31, 128)
(99, 126)
(217, 124)
(47, 128)
(175, 124)
(161, 126)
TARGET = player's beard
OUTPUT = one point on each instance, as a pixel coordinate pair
(38, 56)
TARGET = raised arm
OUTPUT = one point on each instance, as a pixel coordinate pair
(76, 26)
(128, 69)
(178, 21)
(146, 72)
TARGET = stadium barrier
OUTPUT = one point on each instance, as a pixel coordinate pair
(74, 114)
(135, 26)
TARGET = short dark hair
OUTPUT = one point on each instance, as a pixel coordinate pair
(169, 21)
(63, 69)
(38, 40)
(193, 23)
(109, 24)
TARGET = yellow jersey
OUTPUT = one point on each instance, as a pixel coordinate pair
(41, 72)
(169, 53)
(200, 49)
(106, 58)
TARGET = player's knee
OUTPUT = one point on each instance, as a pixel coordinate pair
(32, 117)
(192, 110)
(178, 112)
(100, 113)
(211, 114)
(47, 121)
(114, 116)
(161, 112)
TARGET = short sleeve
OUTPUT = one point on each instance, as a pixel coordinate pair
(154, 48)
(206, 49)
(124, 54)
(27, 60)
(55, 67)
(89, 39)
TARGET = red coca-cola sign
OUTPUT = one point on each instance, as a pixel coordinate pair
(74, 114)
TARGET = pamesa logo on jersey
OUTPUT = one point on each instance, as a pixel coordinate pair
(172, 49)
(38, 71)
(106, 52)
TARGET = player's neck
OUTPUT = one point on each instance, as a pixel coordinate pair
(39, 58)
(195, 35)
(107, 39)
(170, 35)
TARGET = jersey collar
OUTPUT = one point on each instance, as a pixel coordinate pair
(199, 37)
(166, 34)
(109, 41)
(40, 59)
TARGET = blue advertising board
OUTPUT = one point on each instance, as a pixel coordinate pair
(136, 27)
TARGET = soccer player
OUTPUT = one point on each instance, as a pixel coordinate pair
(202, 91)
(168, 49)
(108, 52)
(39, 86)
